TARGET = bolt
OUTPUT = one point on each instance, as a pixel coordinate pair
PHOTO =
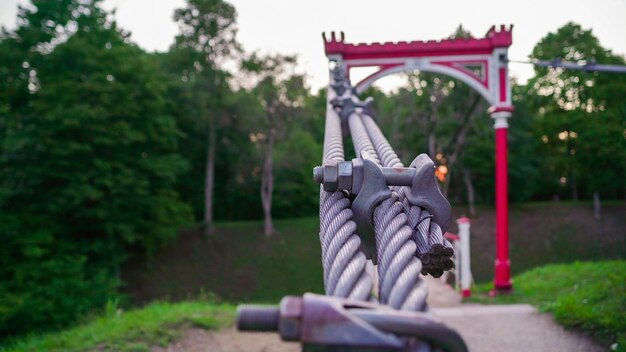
(257, 318)
(341, 175)
(318, 174)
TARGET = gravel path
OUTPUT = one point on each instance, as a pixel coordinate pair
(511, 327)
(485, 328)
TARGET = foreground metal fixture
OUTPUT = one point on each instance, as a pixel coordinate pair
(323, 323)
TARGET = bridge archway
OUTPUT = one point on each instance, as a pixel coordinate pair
(444, 70)
(481, 63)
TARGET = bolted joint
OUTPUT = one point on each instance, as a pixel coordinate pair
(345, 105)
(349, 105)
(334, 175)
(348, 175)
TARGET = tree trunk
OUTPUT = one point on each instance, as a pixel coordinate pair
(457, 143)
(597, 208)
(209, 181)
(432, 145)
(574, 187)
(267, 184)
(467, 178)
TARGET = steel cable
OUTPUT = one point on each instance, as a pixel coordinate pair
(398, 268)
(343, 263)
(432, 248)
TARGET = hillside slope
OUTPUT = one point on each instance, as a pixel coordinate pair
(239, 263)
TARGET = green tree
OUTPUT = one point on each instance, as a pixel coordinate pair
(580, 116)
(89, 161)
(281, 92)
(207, 38)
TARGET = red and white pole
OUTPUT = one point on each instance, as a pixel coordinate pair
(502, 281)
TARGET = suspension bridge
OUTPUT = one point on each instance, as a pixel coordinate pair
(383, 224)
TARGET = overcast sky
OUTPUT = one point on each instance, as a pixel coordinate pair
(295, 27)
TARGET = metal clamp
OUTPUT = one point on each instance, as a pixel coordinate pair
(369, 182)
(339, 74)
(368, 107)
(371, 189)
(425, 193)
(323, 323)
(340, 87)
(346, 107)
(349, 105)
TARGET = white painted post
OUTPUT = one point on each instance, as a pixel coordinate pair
(466, 272)
(457, 265)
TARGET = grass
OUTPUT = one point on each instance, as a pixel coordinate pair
(586, 296)
(159, 324)
(237, 262)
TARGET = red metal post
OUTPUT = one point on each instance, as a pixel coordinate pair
(502, 281)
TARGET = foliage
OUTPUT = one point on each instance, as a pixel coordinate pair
(89, 162)
(159, 324)
(583, 295)
(578, 116)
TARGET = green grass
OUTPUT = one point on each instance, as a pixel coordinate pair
(135, 330)
(237, 262)
(587, 296)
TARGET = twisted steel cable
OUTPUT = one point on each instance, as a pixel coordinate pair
(432, 248)
(344, 264)
(398, 268)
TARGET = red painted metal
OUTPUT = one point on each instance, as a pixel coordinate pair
(502, 280)
(462, 220)
(451, 236)
(494, 39)
(466, 293)
(501, 108)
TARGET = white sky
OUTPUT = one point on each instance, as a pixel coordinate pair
(295, 27)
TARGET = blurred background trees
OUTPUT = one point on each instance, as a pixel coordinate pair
(107, 150)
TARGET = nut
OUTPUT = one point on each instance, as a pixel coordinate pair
(330, 176)
(344, 179)
(290, 316)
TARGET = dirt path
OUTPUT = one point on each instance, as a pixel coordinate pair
(228, 340)
(511, 327)
(485, 328)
